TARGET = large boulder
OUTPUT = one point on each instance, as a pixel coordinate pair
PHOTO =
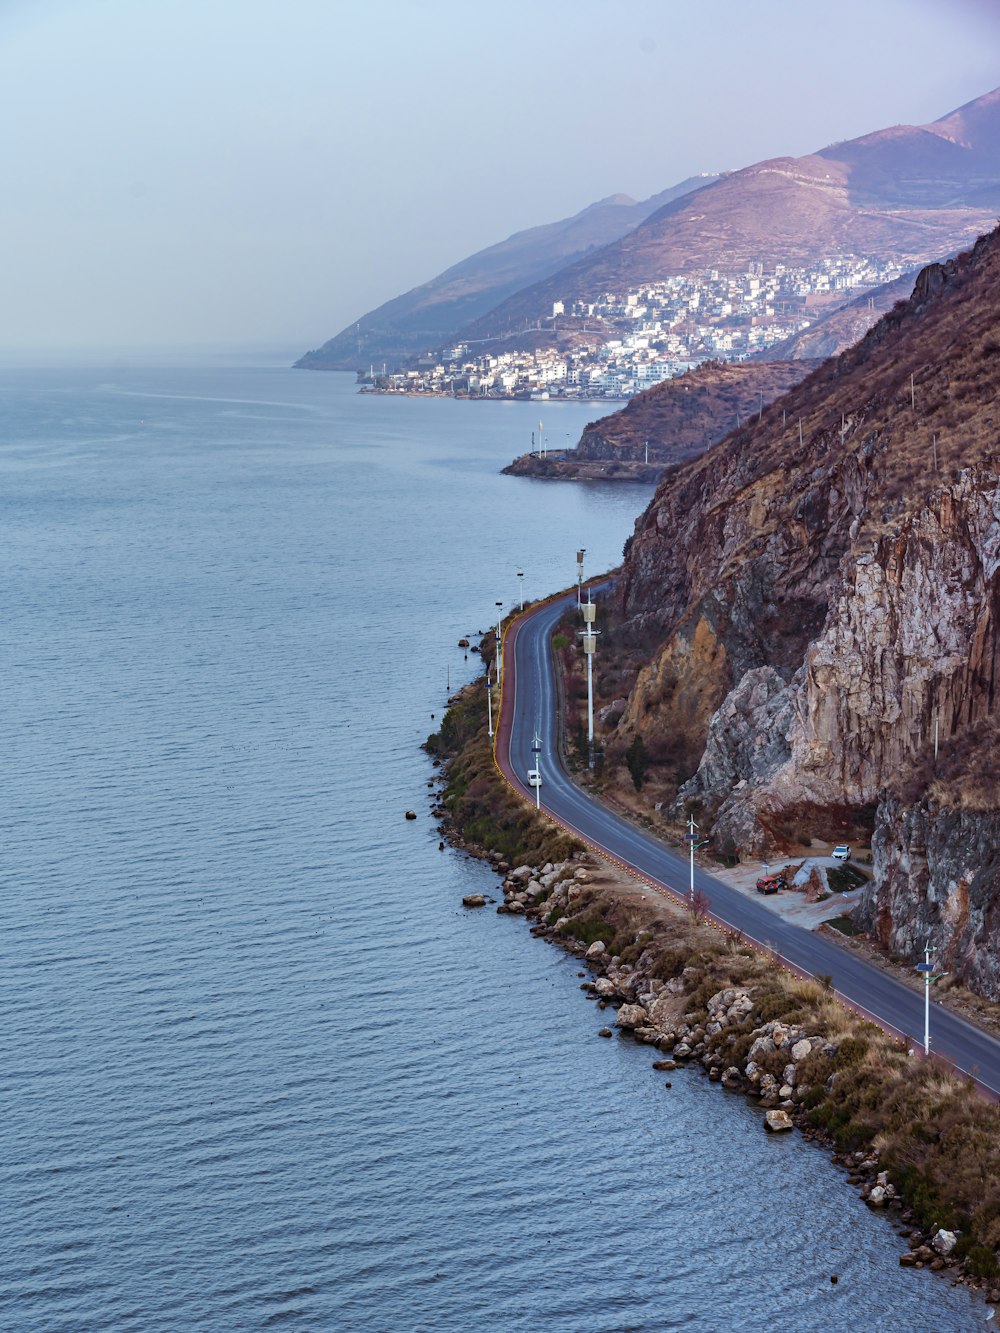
(597, 949)
(944, 1242)
(631, 1016)
(776, 1122)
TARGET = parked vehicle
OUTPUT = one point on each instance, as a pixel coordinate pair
(842, 852)
(534, 777)
(771, 883)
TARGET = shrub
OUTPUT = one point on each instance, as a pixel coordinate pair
(588, 930)
(637, 760)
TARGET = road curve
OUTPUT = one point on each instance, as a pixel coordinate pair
(528, 707)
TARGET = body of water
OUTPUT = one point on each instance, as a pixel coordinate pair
(260, 1070)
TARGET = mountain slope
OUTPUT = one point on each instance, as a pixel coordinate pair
(424, 318)
(911, 192)
(673, 421)
(823, 600)
(833, 333)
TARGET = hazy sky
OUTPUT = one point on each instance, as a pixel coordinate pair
(236, 172)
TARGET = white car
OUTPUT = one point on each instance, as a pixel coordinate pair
(534, 777)
(842, 852)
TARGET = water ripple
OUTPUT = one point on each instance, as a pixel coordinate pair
(260, 1070)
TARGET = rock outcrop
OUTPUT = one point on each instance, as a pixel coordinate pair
(822, 591)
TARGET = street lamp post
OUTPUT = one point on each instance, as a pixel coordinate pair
(520, 589)
(691, 838)
(579, 576)
(499, 636)
(489, 705)
(536, 750)
(589, 636)
(927, 968)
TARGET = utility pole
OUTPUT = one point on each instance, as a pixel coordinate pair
(499, 637)
(579, 576)
(927, 968)
(691, 838)
(489, 705)
(589, 636)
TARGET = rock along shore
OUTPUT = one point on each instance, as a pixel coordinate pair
(703, 999)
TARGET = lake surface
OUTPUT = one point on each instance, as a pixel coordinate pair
(260, 1069)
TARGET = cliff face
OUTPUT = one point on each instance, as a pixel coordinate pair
(824, 597)
(680, 418)
(937, 879)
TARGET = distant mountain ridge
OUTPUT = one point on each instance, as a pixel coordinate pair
(427, 316)
(914, 193)
(910, 193)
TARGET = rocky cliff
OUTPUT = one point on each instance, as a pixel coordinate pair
(822, 592)
(670, 422)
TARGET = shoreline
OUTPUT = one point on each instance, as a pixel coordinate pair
(568, 465)
(699, 996)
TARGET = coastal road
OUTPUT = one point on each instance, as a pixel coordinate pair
(529, 708)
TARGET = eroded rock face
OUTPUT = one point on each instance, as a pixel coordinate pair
(747, 743)
(912, 639)
(910, 642)
(937, 879)
(824, 592)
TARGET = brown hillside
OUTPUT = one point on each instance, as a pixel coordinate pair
(821, 605)
(840, 329)
(683, 417)
(912, 193)
(668, 423)
(428, 315)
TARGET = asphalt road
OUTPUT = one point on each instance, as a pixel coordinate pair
(529, 709)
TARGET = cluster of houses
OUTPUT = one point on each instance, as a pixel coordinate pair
(624, 342)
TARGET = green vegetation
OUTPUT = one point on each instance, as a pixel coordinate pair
(637, 758)
(484, 809)
(861, 1090)
(843, 878)
(845, 925)
(937, 1138)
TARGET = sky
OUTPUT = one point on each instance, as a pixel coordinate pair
(259, 173)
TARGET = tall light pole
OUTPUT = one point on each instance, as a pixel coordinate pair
(691, 837)
(536, 750)
(489, 705)
(927, 967)
(520, 589)
(589, 636)
(499, 636)
(579, 575)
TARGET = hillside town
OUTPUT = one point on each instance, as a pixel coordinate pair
(627, 341)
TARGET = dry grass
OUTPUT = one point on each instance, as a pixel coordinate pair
(937, 1138)
(683, 417)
